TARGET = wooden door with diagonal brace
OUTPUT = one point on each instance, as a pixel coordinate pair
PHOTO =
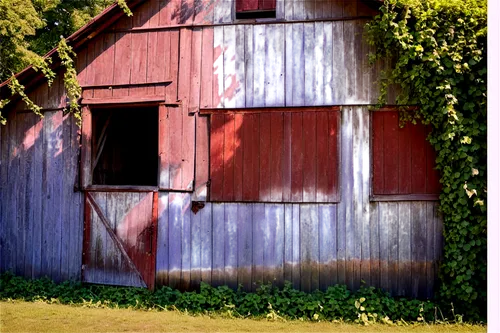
(120, 238)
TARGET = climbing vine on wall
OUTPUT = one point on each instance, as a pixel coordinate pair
(438, 52)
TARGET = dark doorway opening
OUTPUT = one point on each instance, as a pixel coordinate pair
(125, 146)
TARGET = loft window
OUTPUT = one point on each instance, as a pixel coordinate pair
(403, 161)
(125, 146)
(255, 9)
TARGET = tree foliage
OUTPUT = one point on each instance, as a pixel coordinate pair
(439, 48)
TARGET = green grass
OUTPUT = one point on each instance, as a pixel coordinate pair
(19, 316)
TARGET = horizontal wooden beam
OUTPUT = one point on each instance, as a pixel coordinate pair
(114, 85)
(239, 22)
(394, 108)
(120, 188)
(123, 100)
(208, 111)
(404, 197)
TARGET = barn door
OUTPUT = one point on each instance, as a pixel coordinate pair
(120, 238)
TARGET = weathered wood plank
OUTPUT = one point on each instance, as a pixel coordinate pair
(175, 201)
(259, 65)
(268, 225)
(297, 143)
(375, 245)
(218, 68)
(245, 240)
(162, 253)
(231, 222)
(250, 146)
(239, 177)
(185, 220)
(265, 157)
(249, 65)
(276, 157)
(217, 156)
(405, 240)
(21, 189)
(339, 64)
(195, 261)
(391, 150)
(228, 158)
(218, 244)
(309, 247)
(327, 245)
(309, 148)
(391, 213)
(383, 225)
(259, 218)
(418, 222)
(207, 69)
(206, 243)
(309, 64)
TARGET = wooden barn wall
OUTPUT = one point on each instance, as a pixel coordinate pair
(394, 245)
(40, 213)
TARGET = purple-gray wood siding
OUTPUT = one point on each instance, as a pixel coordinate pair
(40, 213)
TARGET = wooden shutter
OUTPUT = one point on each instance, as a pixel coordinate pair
(274, 156)
(403, 160)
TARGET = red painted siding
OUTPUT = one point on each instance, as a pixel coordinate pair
(403, 160)
(274, 156)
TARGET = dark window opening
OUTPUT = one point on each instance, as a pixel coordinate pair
(125, 146)
(256, 14)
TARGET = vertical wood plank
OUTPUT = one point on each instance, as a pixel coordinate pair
(240, 75)
(296, 276)
(239, 177)
(323, 154)
(405, 159)
(201, 159)
(391, 151)
(245, 240)
(218, 68)
(171, 93)
(195, 77)
(288, 250)
(328, 64)
(162, 253)
(229, 149)
(259, 217)
(174, 239)
(249, 65)
(375, 246)
(216, 156)
(405, 247)
(309, 64)
(231, 245)
(298, 64)
(418, 249)
(206, 243)
(309, 147)
(259, 65)
(276, 157)
(268, 225)
(418, 155)
(265, 157)
(327, 245)
(287, 158)
(218, 244)
(196, 248)
(207, 72)
(431, 262)
(186, 241)
(297, 157)
(20, 231)
(250, 144)
(395, 236)
(339, 63)
(333, 160)
(309, 247)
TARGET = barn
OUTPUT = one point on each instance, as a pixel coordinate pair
(230, 142)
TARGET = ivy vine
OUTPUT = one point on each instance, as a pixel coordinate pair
(438, 51)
